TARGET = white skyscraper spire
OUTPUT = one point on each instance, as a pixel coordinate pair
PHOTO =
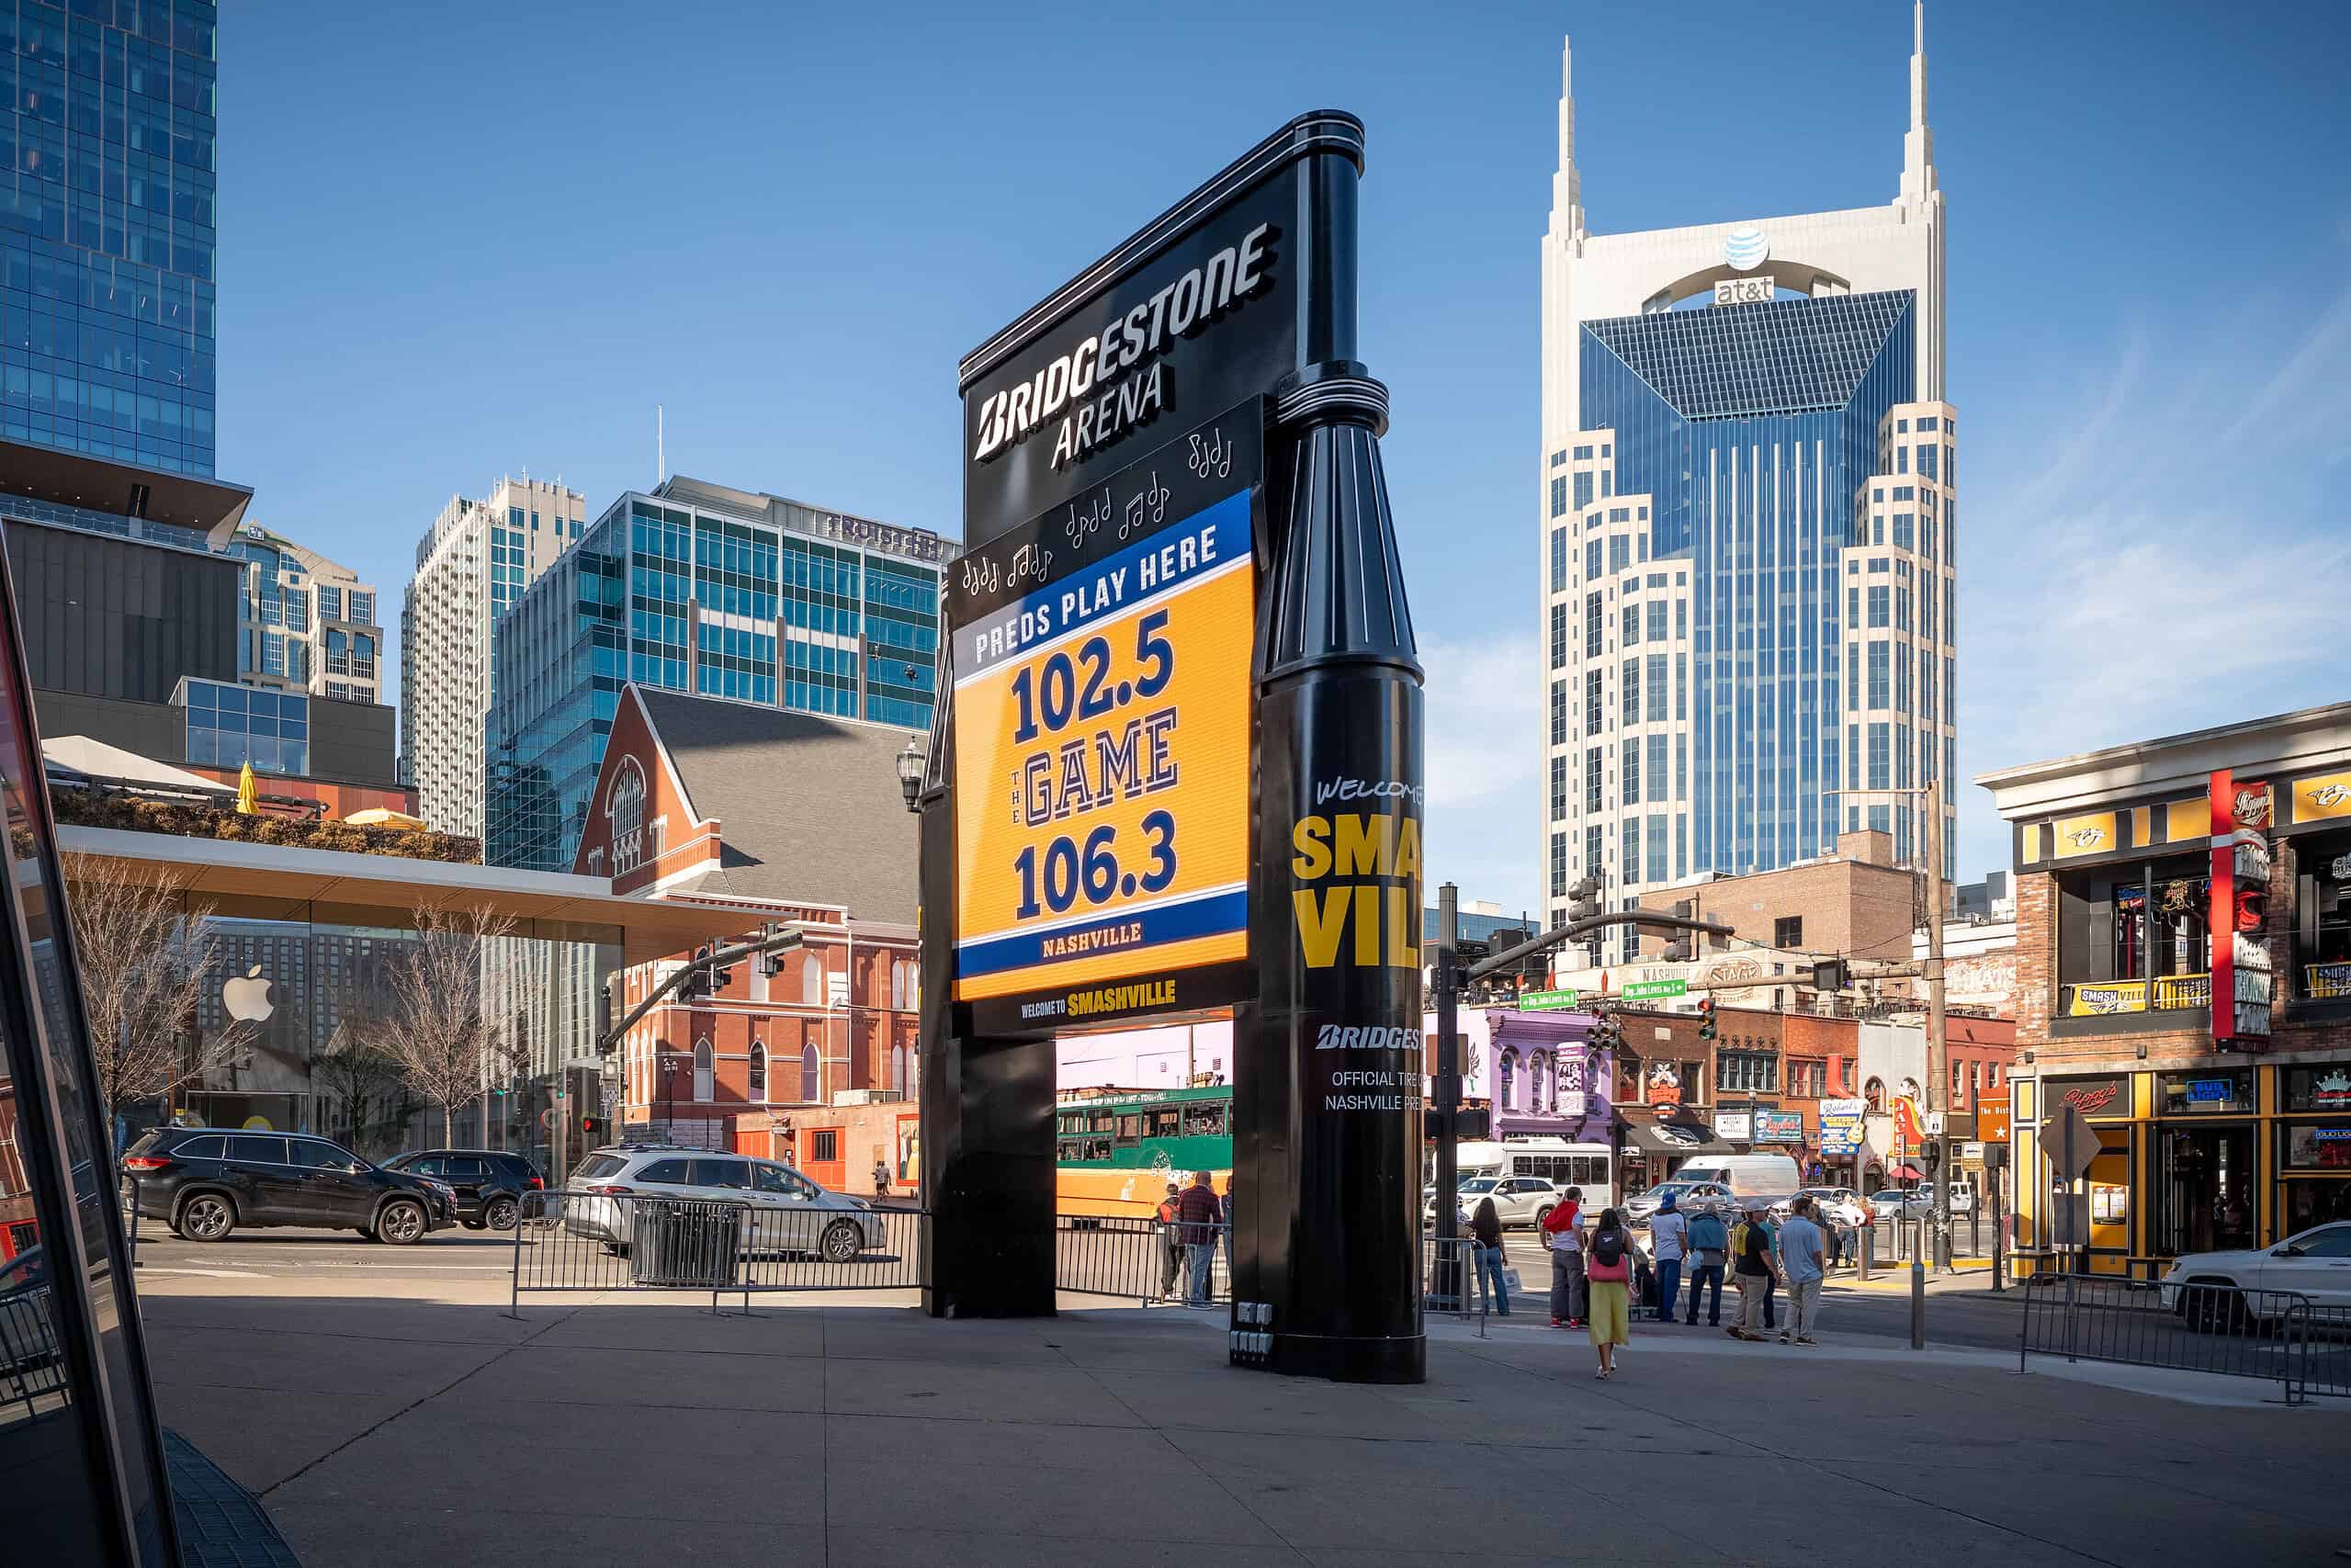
(1917, 143)
(1567, 184)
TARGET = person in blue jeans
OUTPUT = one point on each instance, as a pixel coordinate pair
(1709, 1245)
(1486, 1231)
(1668, 1231)
(1770, 1281)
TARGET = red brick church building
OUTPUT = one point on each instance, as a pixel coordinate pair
(796, 819)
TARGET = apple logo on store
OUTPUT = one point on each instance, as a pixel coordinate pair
(247, 999)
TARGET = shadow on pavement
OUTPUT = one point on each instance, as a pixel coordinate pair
(621, 1429)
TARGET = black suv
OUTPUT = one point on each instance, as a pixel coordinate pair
(490, 1183)
(206, 1182)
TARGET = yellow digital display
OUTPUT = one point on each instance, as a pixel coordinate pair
(1102, 766)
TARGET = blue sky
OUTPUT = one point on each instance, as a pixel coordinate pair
(461, 240)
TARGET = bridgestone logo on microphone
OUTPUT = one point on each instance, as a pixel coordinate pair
(1337, 1037)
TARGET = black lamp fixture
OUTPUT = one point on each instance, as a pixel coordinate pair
(910, 764)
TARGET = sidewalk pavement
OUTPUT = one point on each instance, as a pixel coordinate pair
(386, 1432)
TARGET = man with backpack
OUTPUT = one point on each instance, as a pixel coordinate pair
(1710, 1251)
(1753, 1271)
(1171, 1247)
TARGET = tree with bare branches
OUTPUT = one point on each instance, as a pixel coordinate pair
(147, 957)
(366, 1098)
(442, 1033)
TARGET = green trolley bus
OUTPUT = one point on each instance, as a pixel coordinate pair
(1116, 1149)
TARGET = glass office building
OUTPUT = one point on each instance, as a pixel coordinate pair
(108, 233)
(1745, 433)
(1746, 537)
(735, 595)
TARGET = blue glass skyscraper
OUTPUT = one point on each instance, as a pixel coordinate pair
(108, 237)
(1748, 538)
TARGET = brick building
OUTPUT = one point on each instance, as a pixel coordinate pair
(1856, 902)
(2233, 1136)
(798, 821)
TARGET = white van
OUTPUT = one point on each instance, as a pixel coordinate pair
(1563, 1164)
(1749, 1176)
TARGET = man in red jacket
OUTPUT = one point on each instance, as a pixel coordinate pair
(1565, 1238)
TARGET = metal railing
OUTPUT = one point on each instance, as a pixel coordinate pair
(32, 1369)
(2221, 1330)
(574, 1241)
(1452, 1285)
(1153, 1263)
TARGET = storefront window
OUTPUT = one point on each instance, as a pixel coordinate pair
(2206, 1094)
(2318, 1088)
(2325, 893)
(2122, 950)
(2314, 1173)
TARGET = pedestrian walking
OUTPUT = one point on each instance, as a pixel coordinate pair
(1608, 1274)
(1197, 1215)
(1668, 1230)
(881, 1179)
(1564, 1237)
(1771, 1282)
(1800, 1256)
(1486, 1231)
(1753, 1271)
(1709, 1245)
(1170, 1244)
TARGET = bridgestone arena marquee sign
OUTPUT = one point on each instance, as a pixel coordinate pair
(1177, 765)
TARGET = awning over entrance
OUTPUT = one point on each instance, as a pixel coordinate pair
(280, 883)
(1674, 1140)
(1906, 1173)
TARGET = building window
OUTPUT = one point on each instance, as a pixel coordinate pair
(1807, 1077)
(1559, 559)
(1583, 490)
(1559, 788)
(1594, 703)
(808, 1085)
(1874, 1094)
(758, 1072)
(824, 1146)
(1559, 496)
(703, 1088)
(1595, 626)
(1559, 865)
(1592, 784)
(1559, 712)
(1558, 636)
(1630, 635)
(1788, 933)
(1629, 774)
(1745, 1072)
(898, 1071)
(1628, 685)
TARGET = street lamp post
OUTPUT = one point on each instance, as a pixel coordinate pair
(669, 1095)
(910, 764)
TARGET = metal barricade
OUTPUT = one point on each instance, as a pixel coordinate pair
(32, 1369)
(2217, 1329)
(1452, 1284)
(583, 1241)
(2326, 1350)
(1152, 1263)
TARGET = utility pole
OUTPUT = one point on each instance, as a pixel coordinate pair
(1446, 1086)
(1451, 978)
(1938, 1054)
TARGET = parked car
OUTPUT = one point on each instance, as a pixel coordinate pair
(1838, 1205)
(1895, 1204)
(207, 1181)
(1687, 1196)
(2314, 1263)
(1518, 1200)
(489, 1183)
(787, 1211)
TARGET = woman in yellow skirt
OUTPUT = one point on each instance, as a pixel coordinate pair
(1609, 1253)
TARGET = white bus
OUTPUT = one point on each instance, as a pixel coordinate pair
(1588, 1166)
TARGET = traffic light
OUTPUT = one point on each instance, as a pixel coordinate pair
(1584, 899)
(719, 973)
(592, 1128)
(608, 1011)
(697, 976)
(1679, 951)
(1706, 1018)
(1832, 974)
(1472, 1125)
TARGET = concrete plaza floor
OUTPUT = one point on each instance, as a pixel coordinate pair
(390, 1431)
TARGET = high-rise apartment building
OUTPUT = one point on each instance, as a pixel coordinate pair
(306, 624)
(1748, 538)
(106, 229)
(698, 587)
(471, 566)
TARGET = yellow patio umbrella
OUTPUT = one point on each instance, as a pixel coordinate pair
(246, 805)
